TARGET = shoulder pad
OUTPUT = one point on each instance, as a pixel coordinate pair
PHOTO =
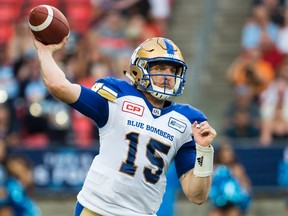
(110, 88)
(191, 113)
(104, 91)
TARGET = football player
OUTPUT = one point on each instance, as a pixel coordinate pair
(141, 131)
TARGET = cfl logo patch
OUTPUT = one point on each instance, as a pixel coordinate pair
(156, 112)
(133, 108)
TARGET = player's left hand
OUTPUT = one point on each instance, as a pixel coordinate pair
(203, 133)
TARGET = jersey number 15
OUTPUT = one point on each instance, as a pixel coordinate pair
(153, 145)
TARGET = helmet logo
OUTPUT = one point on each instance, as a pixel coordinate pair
(169, 47)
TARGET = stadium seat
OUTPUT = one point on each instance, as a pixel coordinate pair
(12, 2)
(9, 13)
(54, 3)
(33, 3)
(6, 32)
(79, 16)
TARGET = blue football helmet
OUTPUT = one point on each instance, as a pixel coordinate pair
(154, 50)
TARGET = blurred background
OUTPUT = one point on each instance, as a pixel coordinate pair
(236, 52)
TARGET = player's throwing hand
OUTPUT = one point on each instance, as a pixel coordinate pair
(51, 48)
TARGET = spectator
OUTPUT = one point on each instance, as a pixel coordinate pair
(5, 209)
(282, 38)
(18, 186)
(241, 126)
(20, 44)
(268, 47)
(3, 156)
(230, 193)
(35, 119)
(251, 70)
(258, 26)
(132, 7)
(127, 7)
(242, 117)
(112, 41)
(274, 8)
(140, 28)
(160, 12)
(274, 109)
(271, 53)
(111, 35)
(9, 88)
(42, 117)
(9, 131)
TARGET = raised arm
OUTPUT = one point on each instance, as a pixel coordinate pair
(196, 183)
(53, 77)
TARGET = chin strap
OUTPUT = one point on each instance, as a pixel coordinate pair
(204, 161)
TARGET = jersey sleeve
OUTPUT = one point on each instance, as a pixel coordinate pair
(186, 155)
(94, 102)
(92, 105)
(185, 158)
(192, 113)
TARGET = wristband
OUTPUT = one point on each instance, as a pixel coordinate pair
(204, 161)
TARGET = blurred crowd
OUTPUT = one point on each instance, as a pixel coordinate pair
(259, 76)
(103, 35)
(16, 184)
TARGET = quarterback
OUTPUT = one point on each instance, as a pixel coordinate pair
(141, 132)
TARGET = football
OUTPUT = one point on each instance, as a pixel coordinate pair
(48, 24)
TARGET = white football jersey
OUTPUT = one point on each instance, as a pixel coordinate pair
(137, 144)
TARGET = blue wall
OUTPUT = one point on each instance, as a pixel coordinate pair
(65, 168)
